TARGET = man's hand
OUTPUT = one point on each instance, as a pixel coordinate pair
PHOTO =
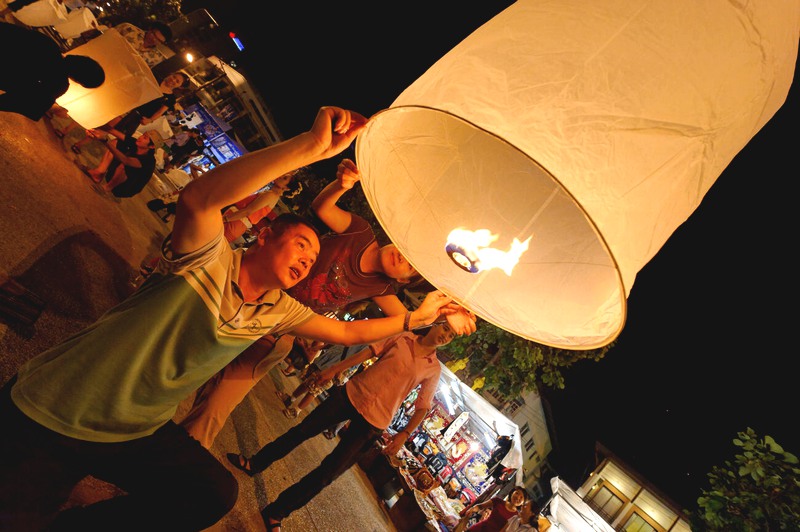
(394, 446)
(462, 322)
(434, 305)
(347, 174)
(335, 129)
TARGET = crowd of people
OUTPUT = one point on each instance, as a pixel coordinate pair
(213, 316)
(43, 73)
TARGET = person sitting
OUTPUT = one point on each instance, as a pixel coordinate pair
(38, 73)
(128, 164)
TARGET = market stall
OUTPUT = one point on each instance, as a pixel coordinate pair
(448, 462)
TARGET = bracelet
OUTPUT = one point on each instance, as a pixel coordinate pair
(407, 322)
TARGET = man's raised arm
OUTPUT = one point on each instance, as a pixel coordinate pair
(198, 219)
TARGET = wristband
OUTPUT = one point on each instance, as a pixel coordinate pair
(407, 322)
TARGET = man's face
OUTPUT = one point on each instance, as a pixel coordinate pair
(441, 333)
(526, 511)
(144, 141)
(285, 260)
(395, 264)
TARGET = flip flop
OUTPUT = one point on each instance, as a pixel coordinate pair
(240, 462)
(85, 169)
(268, 520)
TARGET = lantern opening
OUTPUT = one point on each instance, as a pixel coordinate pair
(471, 252)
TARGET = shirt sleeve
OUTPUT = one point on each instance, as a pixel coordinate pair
(173, 263)
(428, 390)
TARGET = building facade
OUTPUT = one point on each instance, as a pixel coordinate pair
(627, 501)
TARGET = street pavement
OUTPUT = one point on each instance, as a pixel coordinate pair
(68, 252)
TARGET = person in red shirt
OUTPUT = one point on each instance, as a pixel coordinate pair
(369, 401)
(502, 511)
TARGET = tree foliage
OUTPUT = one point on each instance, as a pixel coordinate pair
(140, 12)
(512, 365)
(758, 491)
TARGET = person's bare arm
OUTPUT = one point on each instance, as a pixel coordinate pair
(196, 171)
(462, 321)
(390, 304)
(359, 332)
(198, 219)
(324, 205)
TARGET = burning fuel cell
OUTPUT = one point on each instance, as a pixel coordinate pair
(471, 252)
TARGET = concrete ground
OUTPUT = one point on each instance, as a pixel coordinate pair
(68, 253)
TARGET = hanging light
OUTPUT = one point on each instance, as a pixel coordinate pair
(575, 136)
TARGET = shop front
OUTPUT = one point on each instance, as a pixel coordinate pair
(463, 450)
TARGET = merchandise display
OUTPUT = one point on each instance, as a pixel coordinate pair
(448, 461)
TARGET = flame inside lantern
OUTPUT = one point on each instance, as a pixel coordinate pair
(471, 252)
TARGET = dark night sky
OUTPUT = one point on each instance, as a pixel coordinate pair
(708, 346)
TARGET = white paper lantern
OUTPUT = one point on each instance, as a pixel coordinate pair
(588, 130)
(128, 84)
(42, 13)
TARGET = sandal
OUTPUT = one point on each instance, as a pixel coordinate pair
(285, 398)
(291, 412)
(240, 462)
(268, 521)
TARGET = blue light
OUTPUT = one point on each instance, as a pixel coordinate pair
(236, 41)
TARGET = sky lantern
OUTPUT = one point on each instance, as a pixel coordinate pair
(571, 137)
(129, 82)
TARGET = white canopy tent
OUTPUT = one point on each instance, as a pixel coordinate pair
(567, 512)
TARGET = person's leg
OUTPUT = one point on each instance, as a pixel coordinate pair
(97, 173)
(335, 409)
(37, 470)
(216, 399)
(171, 483)
(351, 447)
(117, 178)
(306, 400)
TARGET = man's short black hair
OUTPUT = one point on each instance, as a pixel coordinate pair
(287, 220)
(163, 29)
(84, 70)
